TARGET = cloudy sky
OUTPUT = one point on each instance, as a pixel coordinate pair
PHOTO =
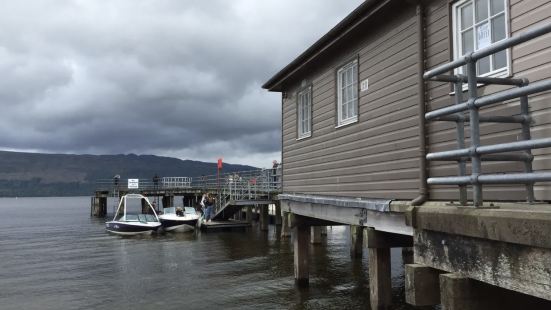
(177, 78)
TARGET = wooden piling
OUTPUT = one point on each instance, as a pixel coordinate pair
(301, 245)
(356, 241)
(264, 217)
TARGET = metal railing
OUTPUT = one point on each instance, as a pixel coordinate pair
(176, 182)
(144, 184)
(477, 153)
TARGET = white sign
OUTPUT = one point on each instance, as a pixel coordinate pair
(364, 85)
(483, 36)
(133, 183)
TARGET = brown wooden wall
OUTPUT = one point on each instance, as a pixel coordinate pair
(378, 156)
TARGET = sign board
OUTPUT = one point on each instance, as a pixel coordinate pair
(133, 183)
(483, 36)
(364, 85)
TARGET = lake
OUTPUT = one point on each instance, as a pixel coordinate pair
(53, 255)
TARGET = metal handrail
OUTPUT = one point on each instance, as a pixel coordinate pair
(473, 104)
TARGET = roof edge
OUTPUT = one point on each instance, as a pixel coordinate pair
(333, 34)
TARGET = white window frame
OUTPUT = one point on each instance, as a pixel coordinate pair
(352, 119)
(457, 46)
(304, 113)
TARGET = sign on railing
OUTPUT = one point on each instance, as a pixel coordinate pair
(133, 183)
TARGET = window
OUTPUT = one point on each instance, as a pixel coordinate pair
(304, 122)
(478, 24)
(347, 94)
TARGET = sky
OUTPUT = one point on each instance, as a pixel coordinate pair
(175, 78)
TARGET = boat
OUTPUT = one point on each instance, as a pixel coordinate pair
(133, 224)
(179, 219)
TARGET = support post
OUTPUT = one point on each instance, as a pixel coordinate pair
(300, 245)
(356, 241)
(324, 230)
(422, 285)
(285, 225)
(407, 255)
(315, 232)
(380, 287)
(459, 293)
(249, 214)
(264, 218)
(278, 219)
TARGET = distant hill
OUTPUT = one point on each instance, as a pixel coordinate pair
(33, 174)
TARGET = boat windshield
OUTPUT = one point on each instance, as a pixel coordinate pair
(129, 218)
(169, 210)
(189, 210)
(150, 218)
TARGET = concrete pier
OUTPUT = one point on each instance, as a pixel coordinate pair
(168, 201)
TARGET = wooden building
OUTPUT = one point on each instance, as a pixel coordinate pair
(353, 102)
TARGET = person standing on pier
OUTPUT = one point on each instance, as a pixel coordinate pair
(209, 203)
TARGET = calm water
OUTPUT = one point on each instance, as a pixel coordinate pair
(53, 255)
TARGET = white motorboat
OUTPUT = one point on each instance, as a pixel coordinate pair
(179, 219)
(133, 224)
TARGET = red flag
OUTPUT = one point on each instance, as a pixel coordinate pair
(219, 163)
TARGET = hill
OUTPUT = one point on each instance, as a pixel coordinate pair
(34, 174)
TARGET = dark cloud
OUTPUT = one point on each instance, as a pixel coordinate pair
(166, 77)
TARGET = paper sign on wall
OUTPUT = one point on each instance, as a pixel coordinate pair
(364, 85)
(483, 36)
(133, 183)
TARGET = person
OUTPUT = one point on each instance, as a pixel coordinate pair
(209, 203)
(203, 204)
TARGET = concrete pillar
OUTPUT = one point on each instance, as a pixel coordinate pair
(324, 230)
(315, 234)
(422, 285)
(249, 214)
(98, 206)
(356, 241)
(461, 293)
(285, 225)
(300, 245)
(380, 288)
(264, 217)
(278, 219)
(407, 255)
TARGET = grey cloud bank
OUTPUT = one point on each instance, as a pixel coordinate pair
(174, 78)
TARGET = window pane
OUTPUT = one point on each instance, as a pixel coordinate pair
(350, 93)
(498, 28)
(343, 112)
(350, 109)
(467, 42)
(349, 75)
(484, 65)
(481, 10)
(344, 96)
(500, 60)
(497, 6)
(466, 16)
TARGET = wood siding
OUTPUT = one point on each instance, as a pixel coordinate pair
(377, 157)
(530, 60)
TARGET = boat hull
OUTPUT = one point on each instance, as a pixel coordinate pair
(130, 229)
(178, 225)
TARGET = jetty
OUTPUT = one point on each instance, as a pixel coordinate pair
(236, 194)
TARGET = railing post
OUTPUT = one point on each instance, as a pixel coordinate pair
(460, 129)
(525, 111)
(475, 132)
